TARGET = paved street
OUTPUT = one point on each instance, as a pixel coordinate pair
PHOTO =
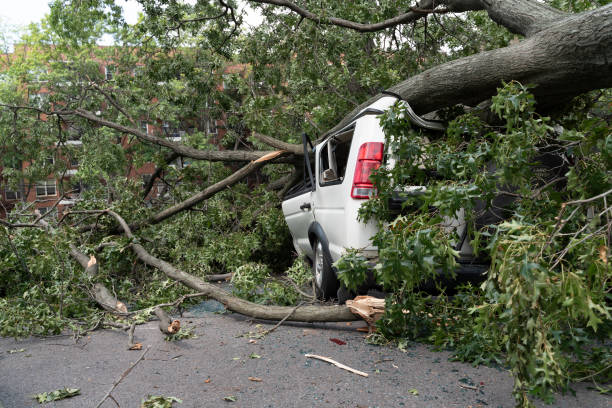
(203, 371)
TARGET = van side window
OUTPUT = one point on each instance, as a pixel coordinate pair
(333, 159)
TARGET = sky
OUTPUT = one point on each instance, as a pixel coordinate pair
(23, 12)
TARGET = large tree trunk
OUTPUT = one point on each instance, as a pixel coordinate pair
(571, 56)
(563, 56)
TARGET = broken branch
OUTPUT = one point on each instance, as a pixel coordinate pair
(337, 364)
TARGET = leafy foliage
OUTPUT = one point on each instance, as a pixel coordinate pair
(159, 401)
(56, 395)
(545, 301)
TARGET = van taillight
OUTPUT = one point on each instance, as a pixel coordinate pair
(369, 158)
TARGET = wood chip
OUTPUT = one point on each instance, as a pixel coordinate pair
(256, 379)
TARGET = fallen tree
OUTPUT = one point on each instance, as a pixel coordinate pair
(304, 313)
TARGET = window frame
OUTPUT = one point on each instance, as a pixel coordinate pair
(46, 185)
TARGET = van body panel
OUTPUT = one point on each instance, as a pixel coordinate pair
(299, 220)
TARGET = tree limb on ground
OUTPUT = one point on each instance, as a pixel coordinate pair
(100, 293)
(303, 314)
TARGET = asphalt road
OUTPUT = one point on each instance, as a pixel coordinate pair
(203, 371)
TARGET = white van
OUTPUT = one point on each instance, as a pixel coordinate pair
(322, 211)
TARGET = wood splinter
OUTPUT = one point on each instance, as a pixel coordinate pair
(337, 364)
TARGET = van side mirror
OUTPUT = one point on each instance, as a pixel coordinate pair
(329, 175)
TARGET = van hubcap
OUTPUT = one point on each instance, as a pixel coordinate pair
(319, 265)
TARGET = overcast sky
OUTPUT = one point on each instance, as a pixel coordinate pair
(24, 12)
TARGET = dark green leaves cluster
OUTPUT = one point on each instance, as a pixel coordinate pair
(532, 193)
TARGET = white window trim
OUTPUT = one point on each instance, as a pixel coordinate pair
(46, 184)
(17, 194)
(109, 69)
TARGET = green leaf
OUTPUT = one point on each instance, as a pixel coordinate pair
(56, 395)
(159, 401)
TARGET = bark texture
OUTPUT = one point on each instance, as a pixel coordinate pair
(181, 149)
(100, 293)
(568, 55)
(302, 314)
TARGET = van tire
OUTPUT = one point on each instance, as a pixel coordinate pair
(326, 282)
(344, 294)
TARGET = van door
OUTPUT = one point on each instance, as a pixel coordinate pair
(332, 192)
(298, 206)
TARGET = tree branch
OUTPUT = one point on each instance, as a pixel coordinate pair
(296, 149)
(303, 314)
(181, 149)
(524, 17)
(424, 7)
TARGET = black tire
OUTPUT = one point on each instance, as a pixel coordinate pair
(344, 294)
(326, 282)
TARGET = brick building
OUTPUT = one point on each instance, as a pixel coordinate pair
(43, 194)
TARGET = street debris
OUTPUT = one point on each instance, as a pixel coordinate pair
(56, 395)
(229, 398)
(123, 375)
(338, 341)
(337, 364)
(368, 308)
(159, 401)
(256, 379)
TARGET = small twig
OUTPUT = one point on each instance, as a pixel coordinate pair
(469, 387)
(282, 321)
(594, 374)
(125, 374)
(588, 200)
(337, 364)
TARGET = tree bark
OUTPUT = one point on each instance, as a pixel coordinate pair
(100, 293)
(302, 314)
(570, 56)
(181, 149)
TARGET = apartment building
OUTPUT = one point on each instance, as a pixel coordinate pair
(59, 190)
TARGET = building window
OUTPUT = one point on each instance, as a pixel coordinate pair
(12, 195)
(45, 188)
(171, 131)
(39, 100)
(144, 128)
(211, 126)
(109, 72)
(50, 160)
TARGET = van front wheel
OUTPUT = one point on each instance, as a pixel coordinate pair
(326, 283)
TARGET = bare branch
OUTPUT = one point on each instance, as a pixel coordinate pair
(278, 144)
(519, 16)
(303, 314)
(181, 149)
(424, 7)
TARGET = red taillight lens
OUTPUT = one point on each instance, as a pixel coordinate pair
(369, 158)
(371, 151)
